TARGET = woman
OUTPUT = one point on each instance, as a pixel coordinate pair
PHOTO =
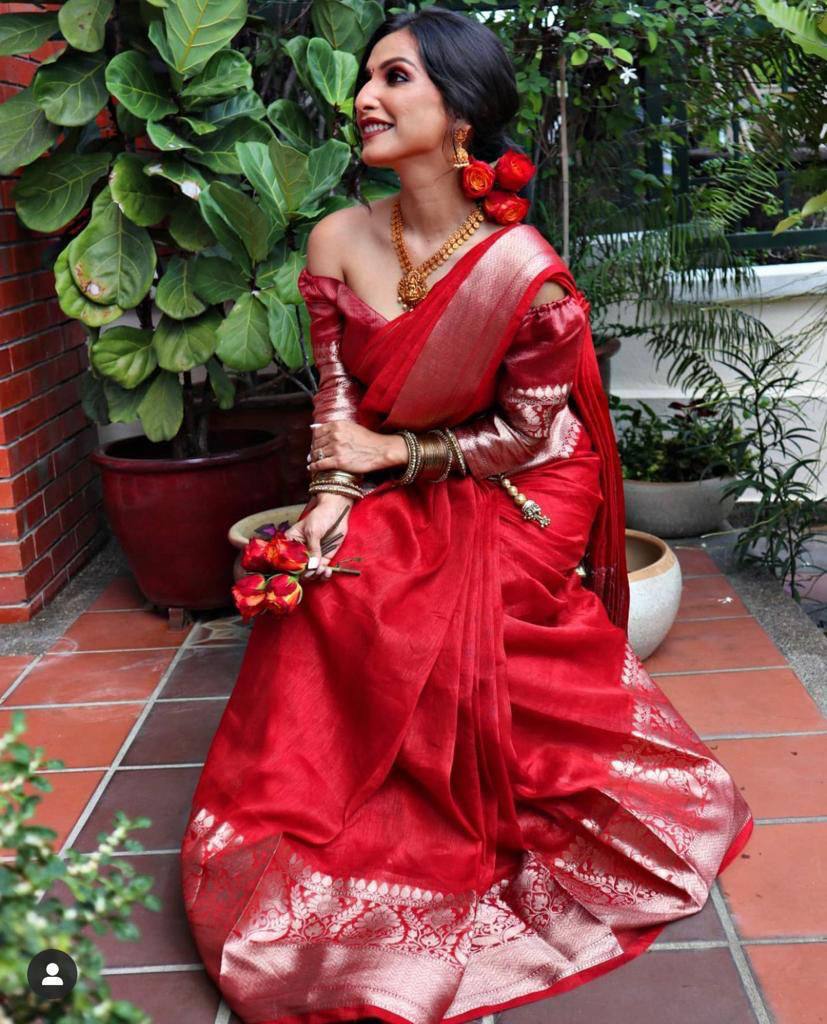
(446, 785)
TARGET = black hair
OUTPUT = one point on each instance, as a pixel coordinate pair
(469, 66)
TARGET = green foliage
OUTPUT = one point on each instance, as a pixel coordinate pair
(50, 899)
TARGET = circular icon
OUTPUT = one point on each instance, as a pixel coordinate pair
(52, 974)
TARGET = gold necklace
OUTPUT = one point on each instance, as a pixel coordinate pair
(412, 286)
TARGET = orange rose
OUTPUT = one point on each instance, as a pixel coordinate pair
(283, 593)
(248, 594)
(279, 554)
(477, 178)
(514, 170)
(505, 207)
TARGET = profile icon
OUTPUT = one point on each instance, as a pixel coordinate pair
(52, 974)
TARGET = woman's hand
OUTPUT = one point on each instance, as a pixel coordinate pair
(353, 448)
(325, 509)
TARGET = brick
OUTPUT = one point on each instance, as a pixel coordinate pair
(11, 525)
(17, 291)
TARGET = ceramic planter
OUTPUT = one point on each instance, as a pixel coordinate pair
(686, 508)
(171, 516)
(655, 584)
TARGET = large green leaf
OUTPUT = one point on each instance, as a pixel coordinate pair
(333, 72)
(54, 190)
(197, 126)
(226, 73)
(221, 384)
(245, 104)
(162, 408)
(125, 354)
(257, 166)
(144, 200)
(174, 295)
(326, 164)
(83, 23)
(93, 399)
(346, 24)
(123, 404)
(112, 259)
(283, 329)
(24, 132)
(218, 150)
(280, 275)
(188, 178)
(24, 33)
(166, 139)
(188, 228)
(799, 22)
(184, 344)
(243, 338)
(72, 300)
(72, 90)
(293, 123)
(196, 29)
(292, 172)
(215, 279)
(132, 82)
(241, 215)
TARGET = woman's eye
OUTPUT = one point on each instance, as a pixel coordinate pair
(399, 74)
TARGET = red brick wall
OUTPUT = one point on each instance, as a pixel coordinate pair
(51, 517)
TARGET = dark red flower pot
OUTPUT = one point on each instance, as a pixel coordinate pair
(171, 516)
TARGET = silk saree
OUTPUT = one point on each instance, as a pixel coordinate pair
(447, 786)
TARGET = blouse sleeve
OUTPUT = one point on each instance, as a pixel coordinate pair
(338, 394)
(532, 389)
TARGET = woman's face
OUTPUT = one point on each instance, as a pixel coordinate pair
(398, 91)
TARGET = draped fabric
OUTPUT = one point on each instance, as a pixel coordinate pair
(448, 786)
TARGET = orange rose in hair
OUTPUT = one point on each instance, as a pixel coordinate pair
(477, 178)
(505, 207)
(514, 170)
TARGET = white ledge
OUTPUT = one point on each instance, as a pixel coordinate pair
(768, 284)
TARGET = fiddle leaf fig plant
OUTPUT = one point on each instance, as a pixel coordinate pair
(183, 187)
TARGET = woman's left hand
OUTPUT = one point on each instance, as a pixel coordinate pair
(350, 447)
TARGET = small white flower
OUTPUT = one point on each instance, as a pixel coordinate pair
(627, 74)
(632, 12)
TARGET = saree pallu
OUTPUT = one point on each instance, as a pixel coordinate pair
(448, 786)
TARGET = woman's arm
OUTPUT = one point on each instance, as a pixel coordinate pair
(533, 385)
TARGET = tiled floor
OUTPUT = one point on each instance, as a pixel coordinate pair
(130, 707)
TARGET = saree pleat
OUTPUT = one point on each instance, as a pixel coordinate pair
(448, 785)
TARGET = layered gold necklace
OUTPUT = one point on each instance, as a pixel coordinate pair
(412, 287)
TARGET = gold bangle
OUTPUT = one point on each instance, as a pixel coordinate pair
(414, 457)
(437, 459)
(343, 489)
(451, 437)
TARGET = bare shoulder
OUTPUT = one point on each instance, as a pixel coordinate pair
(549, 291)
(337, 236)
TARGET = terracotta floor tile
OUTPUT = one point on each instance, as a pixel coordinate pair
(778, 886)
(714, 645)
(72, 678)
(170, 997)
(665, 987)
(164, 795)
(10, 668)
(705, 596)
(81, 737)
(61, 808)
(119, 631)
(206, 670)
(763, 700)
(176, 733)
(121, 593)
(793, 979)
(780, 777)
(695, 561)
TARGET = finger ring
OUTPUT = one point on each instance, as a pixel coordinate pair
(320, 453)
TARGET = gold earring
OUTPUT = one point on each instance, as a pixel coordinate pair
(460, 153)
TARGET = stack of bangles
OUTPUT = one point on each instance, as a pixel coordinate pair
(431, 457)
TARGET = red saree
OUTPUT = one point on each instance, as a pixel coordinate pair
(448, 786)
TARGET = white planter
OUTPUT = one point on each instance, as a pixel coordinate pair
(655, 584)
(686, 508)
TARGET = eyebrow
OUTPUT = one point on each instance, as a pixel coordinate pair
(392, 60)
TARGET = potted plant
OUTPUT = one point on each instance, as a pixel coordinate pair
(678, 471)
(184, 187)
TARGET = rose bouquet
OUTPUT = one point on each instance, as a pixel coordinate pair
(510, 172)
(274, 565)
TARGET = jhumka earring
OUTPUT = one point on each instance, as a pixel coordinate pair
(460, 153)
